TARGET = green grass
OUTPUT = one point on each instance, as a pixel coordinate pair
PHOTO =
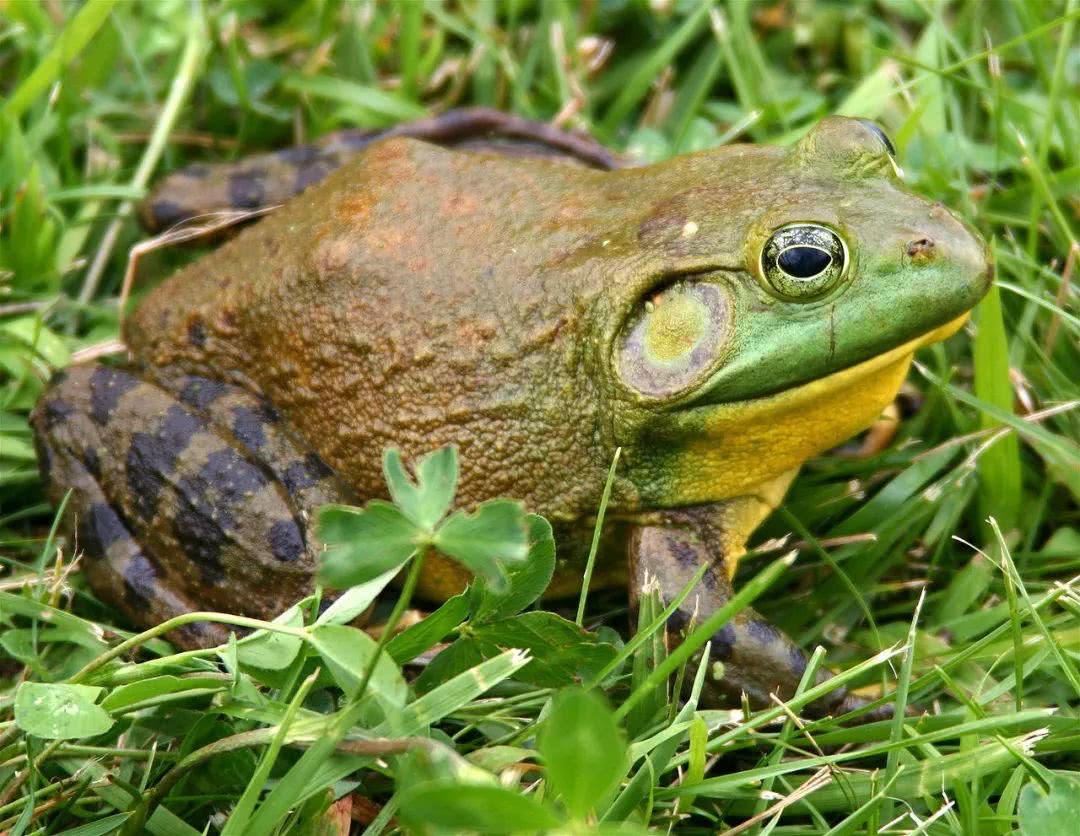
(982, 98)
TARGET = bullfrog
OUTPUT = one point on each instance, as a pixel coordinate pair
(721, 317)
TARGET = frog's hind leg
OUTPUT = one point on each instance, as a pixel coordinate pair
(112, 560)
(757, 658)
(71, 450)
(198, 501)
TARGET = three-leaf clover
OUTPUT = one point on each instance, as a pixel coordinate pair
(363, 543)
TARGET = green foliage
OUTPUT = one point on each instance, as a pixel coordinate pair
(427, 501)
(348, 653)
(483, 809)
(999, 466)
(584, 751)
(1053, 812)
(463, 720)
(56, 711)
(363, 544)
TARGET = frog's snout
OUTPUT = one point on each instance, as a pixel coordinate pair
(953, 242)
(972, 258)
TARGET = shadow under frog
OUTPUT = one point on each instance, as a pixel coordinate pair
(721, 317)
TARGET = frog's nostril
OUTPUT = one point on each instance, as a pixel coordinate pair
(920, 250)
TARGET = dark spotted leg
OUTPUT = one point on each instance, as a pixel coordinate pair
(198, 501)
(114, 563)
(269, 179)
(757, 658)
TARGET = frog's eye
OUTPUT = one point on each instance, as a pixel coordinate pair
(883, 138)
(675, 339)
(879, 132)
(803, 261)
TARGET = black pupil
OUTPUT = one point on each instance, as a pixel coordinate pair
(803, 262)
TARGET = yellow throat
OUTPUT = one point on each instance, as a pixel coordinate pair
(747, 444)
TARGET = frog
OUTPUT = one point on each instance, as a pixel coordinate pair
(718, 318)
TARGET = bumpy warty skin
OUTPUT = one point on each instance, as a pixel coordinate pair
(420, 297)
(389, 306)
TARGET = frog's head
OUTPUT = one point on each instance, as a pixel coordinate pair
(777, 299)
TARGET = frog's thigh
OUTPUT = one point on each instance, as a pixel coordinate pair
(757, 658)
(114, 564)
(176, 511)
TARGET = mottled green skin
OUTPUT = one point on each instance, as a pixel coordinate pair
(420, 297)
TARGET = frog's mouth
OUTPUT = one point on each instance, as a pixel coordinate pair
(843, 384)
(718, 451)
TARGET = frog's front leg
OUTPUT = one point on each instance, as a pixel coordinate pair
(193, 500)
(758, 659)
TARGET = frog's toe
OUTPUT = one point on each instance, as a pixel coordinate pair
(760, 661)
(174, 504)
(751, 657)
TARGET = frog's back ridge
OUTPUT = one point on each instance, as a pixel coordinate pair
(264, 181)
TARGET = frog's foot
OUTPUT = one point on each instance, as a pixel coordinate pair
(199, 497)
(750, 656)
(263, 181)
